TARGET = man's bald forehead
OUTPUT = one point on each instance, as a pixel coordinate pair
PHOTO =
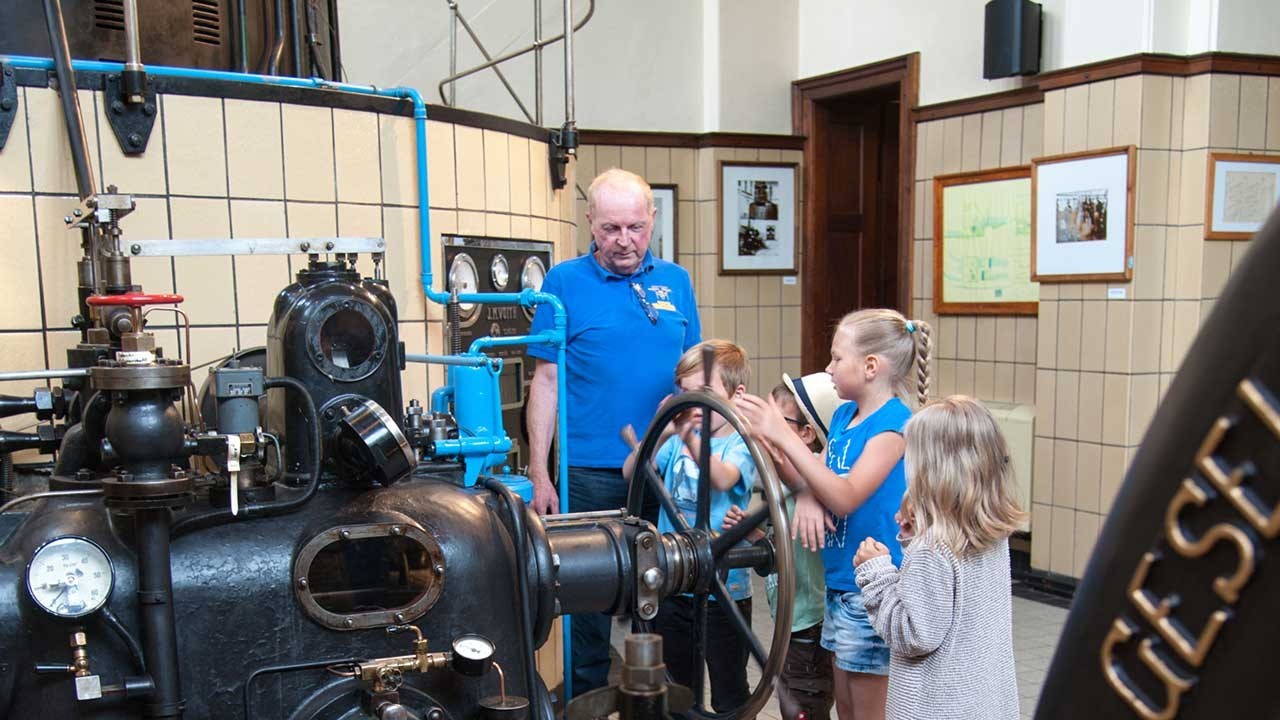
(619, 180)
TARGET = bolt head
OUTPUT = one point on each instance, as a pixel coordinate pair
(439, 569)
(344, 534)
(304, 246)
(117, 107)
(348, 623)
(397, 530)
(328, 245)
(646, 542)
(647, 609)
(302, 583)
(6, 104)
(399, 617)
(135, 140)
(135, 249)
(149, 109)
(79, 639)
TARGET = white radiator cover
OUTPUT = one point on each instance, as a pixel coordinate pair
(1017, 422)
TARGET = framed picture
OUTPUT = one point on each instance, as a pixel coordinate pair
(1082, 216)
(758, 224)
(1241, 191)
(982, 243)
(665, 222)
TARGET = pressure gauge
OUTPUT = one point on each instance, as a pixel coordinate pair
(499, 272)
(532, 274)
(465, 278)
(70, 577)
(471, 654)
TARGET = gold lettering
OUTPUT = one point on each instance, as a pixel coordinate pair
(1228, 588)
(1175, 685)
(1158, 611)
(1230, 482)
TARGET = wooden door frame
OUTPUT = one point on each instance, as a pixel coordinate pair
(806, 93)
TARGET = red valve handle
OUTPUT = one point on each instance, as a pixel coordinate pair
(134, 299)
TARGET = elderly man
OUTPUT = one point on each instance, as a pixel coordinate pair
(631, 316)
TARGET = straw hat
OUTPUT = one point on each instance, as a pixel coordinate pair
(817, 398)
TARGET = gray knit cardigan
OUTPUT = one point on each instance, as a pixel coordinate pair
(948, 622)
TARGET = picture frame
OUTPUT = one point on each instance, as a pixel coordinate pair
(666, 221)
(758, 223)
(1082, 208)
(1241, 191)
(982, 243)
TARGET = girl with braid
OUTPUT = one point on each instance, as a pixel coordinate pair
(854, 490)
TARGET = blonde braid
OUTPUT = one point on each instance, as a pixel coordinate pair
(924, 345)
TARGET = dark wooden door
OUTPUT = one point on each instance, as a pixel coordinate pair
(855, 214)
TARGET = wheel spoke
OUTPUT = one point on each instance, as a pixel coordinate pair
(736, 534)
(740, 623)
(668, 503)
(699, 652)
(704, 473)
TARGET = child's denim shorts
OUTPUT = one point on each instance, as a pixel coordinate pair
(847, 633)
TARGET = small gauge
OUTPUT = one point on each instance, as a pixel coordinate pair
(532, 274)
(465, 278)
(499, 272)
(471, 654)
(70, 577)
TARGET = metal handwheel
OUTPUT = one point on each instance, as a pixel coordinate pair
(714, 552)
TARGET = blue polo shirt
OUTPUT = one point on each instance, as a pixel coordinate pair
(620, 362)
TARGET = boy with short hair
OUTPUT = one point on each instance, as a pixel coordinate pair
(733, 474)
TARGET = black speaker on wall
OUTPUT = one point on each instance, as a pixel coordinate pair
(1012, 39)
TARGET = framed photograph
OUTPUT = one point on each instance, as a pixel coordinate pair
(1082, 216)
(665, 222)
(758, 218)
(1241, 191)
(982, 243)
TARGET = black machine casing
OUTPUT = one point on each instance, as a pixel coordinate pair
(501, 321)
(336, 333)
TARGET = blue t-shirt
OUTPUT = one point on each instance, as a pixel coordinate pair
(680, 471)
(874, 518)
(619, 362)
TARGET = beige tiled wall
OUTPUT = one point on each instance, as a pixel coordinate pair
(234, 168)
(1095, 369)
(761, 313)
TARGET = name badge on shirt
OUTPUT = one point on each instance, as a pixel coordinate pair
(663, 295)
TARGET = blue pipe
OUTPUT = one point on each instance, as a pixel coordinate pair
(526, 297)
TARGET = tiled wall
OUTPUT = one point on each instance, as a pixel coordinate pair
(1095, 369)
(235, 168)
(761, 313)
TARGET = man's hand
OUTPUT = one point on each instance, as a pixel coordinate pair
(869, 549)
(545, 501)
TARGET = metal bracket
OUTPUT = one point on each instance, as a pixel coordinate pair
(8, 101)
(649, 578)
(132, 122)
(564, 144)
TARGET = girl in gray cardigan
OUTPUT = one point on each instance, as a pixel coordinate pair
(946, 614)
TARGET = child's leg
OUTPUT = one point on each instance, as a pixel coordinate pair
(861, 657)
(807, 674)
(675, 624)
(868, 694)
(727, 653)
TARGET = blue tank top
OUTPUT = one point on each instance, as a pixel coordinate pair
(874, 518)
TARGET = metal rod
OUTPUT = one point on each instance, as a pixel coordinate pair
(537, 63)
(155, 605)
(591, 9)
(277, 49)
(295, 39)
(453, 50)
(568, 64)
(464, 361)
(242, 37)
(70, 99)
(485, 54)
(132, 55)
(42, 495)
(43, 374)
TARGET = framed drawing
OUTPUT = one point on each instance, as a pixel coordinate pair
(758, 219)
(665, 222)
(982, 243)
(1082, 216)
(1240, 192)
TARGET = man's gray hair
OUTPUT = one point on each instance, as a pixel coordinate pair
(617, 177)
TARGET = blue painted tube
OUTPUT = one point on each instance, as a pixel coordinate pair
(526, 297)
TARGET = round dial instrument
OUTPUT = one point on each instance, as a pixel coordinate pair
(70, 577)
(471, 654)
(465, 278)
(499, 272)
(532, 274)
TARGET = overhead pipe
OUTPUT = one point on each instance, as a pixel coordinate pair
(555, 336)
(134, 77)
(63, 66)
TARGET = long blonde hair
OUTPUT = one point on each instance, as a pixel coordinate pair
(901, 342)
(960, 484)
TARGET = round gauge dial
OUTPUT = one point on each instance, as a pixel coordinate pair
(532, 274)
(471, 654)
(465, 278)
(499, 272)
(70, 577)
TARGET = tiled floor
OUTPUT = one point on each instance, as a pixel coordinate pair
(1036, 627)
